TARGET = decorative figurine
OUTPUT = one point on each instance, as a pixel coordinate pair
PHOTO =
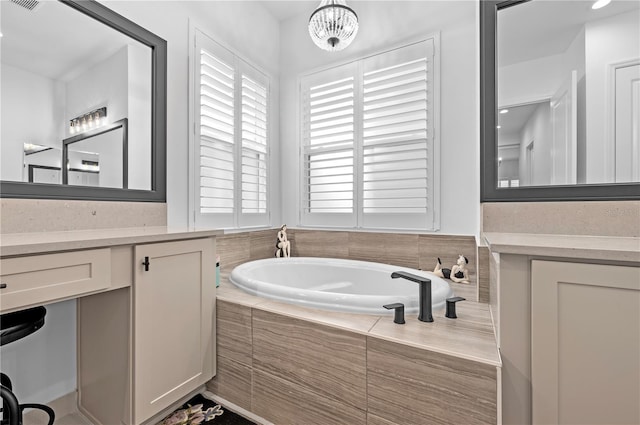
(283, 246)
(459, 272)
(439, 271)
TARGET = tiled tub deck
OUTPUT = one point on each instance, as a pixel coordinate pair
(295, 365)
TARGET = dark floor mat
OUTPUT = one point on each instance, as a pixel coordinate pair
(211, 413)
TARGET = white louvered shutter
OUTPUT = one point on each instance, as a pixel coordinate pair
(254, 148)
(217, 134)
(369, 151)
(231, 153)
(397, 138)
(328, 150)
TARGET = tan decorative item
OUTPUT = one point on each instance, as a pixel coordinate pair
(440, 272)
(459, 272)
(283, 246)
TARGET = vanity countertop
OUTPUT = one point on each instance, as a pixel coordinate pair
(13, 244)
(609, 248)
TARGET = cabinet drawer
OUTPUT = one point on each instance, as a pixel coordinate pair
(39, 279)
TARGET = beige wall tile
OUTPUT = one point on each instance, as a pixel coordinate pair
(483, 274)
(595, 218)
(411, 386)
(233, 328)
(49, 215)
(388, 248)
(286, 403)
(233, 249)
(233, 382)
(494, 290)
(262, 244)
(377, 420)
(318, 243)
(331, 361)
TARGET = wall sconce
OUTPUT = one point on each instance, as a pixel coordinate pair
(88, 121)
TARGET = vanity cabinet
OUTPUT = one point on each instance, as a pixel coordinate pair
(145, 312)
(143, 348)
(32, 280)
(585, 343)
(173, 298)
(568, 326)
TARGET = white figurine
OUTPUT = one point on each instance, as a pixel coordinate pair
(283, 246)
(459, 272)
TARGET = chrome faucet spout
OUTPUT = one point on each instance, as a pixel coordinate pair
(425, 314)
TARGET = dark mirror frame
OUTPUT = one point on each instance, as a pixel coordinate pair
(489, 192)
(157, 193)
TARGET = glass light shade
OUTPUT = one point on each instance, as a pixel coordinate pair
(333, 25)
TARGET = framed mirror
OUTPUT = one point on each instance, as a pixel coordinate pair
(560, 100)
(91, 96)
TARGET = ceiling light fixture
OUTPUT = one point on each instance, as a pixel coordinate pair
(600, 4)
(333, 25)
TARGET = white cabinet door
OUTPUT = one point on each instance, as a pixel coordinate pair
(174, 309)
(585, 343)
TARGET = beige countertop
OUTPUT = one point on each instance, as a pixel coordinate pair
(470, 336)
(566, 246)
(12, 244)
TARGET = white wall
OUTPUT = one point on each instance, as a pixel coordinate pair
(245, 27)
(32, 112)
(383, 24)
(537, 130)
(42, 366)
(608, 41)
(139, 124)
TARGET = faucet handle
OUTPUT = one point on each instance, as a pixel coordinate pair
(398, 316)
(451, 307)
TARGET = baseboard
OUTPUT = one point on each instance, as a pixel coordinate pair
(62, 406)
(235, 408)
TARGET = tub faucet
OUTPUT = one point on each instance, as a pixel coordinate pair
(425, 293)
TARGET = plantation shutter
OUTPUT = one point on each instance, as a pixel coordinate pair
(231, 153)
(368, 142)
(397, 138)
(328, 148)
(254, 149)
(216, 130)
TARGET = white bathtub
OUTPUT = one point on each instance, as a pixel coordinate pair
(332, 284)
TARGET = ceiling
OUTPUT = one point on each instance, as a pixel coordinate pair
(515, 120)
(543, 28)
(32, 43)
(283, 10)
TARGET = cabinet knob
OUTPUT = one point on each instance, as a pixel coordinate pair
(146, 263)
(3, 285)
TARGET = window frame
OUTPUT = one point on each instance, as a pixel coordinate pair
(388, 221)
(242, 67)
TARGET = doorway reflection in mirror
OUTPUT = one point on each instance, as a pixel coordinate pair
(569, 84)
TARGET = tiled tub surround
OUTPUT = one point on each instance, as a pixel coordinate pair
(417, 251)
(292, 365)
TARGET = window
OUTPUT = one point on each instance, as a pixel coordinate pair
(369, 150)
(231, 152)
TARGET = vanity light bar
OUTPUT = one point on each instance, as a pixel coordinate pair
(94, 119)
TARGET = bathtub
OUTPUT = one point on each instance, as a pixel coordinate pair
(333, 284)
